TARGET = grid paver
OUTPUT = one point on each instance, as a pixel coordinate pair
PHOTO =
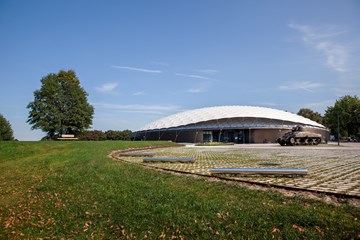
(331, 168)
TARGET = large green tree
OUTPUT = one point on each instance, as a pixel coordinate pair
(310, 114)
(6, 132)
(60, 106)
(347, 108)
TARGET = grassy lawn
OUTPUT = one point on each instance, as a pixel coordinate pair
(73, 190)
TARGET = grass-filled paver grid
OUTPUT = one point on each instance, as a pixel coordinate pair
(330, 170)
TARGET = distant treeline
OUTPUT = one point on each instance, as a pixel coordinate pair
(97, 135)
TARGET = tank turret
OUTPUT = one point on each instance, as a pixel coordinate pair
(299, 136)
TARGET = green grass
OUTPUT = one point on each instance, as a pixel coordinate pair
(72, 190)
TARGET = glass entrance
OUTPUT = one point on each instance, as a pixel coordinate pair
(235, 136)
(207, 136)
(239, 137)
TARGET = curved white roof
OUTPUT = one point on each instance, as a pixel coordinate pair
(225, 112)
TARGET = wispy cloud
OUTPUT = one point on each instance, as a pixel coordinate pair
(321, 39)
(207, 71)
(192, 76)
(336, 55)
(139, 93)
(320, 106)
(139, 108)
(107, 87)
(196, 90)
(137, 69)
(306, 86)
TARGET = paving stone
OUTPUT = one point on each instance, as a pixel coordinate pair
(331, 169)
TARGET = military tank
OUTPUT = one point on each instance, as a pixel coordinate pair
(298, 136)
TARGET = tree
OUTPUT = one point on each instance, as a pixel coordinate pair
(347, 109)
(310, 114)
(6, 132)
(60, 106)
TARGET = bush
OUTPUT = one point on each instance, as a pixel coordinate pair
(118, 135)
(93, 135)
(97, 135)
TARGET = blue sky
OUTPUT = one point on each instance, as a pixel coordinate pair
(143, 60)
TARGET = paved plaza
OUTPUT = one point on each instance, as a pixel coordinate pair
(331, 168)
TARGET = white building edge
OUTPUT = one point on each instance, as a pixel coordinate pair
(240, 124)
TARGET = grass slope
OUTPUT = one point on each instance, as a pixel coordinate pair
(72, 190)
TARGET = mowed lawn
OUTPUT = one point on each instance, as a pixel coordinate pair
(72, 190)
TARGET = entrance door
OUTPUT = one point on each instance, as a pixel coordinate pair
(239, 137)
(231, 137)
(207, 136)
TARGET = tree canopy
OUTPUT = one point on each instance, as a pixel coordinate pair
(60, 106)
(6, 132)
(310, 114)
(348, 110)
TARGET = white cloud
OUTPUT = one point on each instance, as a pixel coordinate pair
(321, 39)
(139, 108)
(196, 90)
(107, 87)
(306, 86)
(336, 55)
(137, 69)
(311, 33)
(192, 76)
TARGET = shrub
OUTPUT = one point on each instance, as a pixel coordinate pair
(93, 135)
(118, 135)
(97, 135)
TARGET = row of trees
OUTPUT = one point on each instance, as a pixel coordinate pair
(345, 115)
(96, 135)
(6, 133)
(60, 106)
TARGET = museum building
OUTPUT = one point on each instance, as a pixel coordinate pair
(237, 124)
